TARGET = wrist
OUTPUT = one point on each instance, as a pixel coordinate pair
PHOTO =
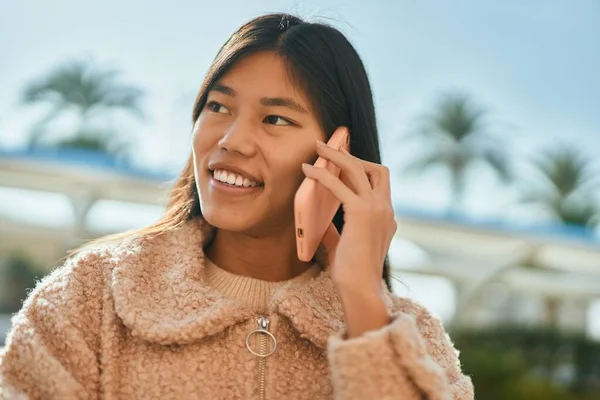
(364, 310)
(359, 285)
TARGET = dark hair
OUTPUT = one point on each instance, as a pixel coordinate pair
(323, 64)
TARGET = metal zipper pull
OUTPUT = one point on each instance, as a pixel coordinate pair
(263, 329)
(263, 323)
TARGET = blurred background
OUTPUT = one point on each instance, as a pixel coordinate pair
(489, 114)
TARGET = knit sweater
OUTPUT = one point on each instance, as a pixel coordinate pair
(252, 292)
(136, 319)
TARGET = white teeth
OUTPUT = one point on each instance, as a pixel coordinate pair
(233, 179)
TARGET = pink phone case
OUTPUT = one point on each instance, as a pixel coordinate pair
(315, 206)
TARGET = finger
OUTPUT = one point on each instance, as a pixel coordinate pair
(351, 169)
(380, 180)
(378, 175)
(330, 241)
(331, 183)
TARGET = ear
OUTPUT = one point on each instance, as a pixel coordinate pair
(347, 142)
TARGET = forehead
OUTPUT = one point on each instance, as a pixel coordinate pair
(262, 74)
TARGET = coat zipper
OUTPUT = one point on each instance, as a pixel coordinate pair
(263, 323)
(264, 334)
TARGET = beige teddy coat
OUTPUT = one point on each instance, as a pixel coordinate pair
(134, 320)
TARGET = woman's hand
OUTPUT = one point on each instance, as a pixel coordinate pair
(357, 256)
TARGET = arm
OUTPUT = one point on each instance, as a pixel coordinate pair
(410, 358)
(51, 350)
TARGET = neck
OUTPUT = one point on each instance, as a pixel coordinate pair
(271, 258)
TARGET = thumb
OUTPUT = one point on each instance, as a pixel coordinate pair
(330, 241)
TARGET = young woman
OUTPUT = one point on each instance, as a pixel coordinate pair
(211, 302)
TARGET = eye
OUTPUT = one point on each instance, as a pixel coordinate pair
(276, 120)
(217, 108)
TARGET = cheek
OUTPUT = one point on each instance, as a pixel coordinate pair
(203, 138)
(289, 169)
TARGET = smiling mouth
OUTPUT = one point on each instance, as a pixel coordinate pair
(233, 179)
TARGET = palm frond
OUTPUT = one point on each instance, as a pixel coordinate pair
(424, 162)
(566, 169)
(579, 213)
(90, 90)
(538, 195)
(82, 85)
(457, 132)
(457, 117)
(568, 177)
(499, 162)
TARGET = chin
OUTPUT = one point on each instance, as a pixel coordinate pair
(227, 220)
(255, 222)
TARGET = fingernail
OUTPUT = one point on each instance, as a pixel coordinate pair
(320, 143)
(305, 165)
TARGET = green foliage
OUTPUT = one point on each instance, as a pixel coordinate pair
(565, 186)
(458, 135)
(520, 363)
(18, 274)
(91, 93)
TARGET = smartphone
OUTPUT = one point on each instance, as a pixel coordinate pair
(314, 205)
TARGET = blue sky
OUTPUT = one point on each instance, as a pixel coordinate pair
(533, 64)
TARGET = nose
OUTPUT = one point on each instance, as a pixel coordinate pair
(239, 138)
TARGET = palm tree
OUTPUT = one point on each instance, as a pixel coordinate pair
(566, 186)
(458, 136)
(79, 86)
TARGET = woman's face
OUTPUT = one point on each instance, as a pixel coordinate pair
(250, 141)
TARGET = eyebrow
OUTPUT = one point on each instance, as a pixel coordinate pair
(282, 102)
(265, 101)
(218, 87)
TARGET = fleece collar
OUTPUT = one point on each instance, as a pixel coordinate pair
(160, 294)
